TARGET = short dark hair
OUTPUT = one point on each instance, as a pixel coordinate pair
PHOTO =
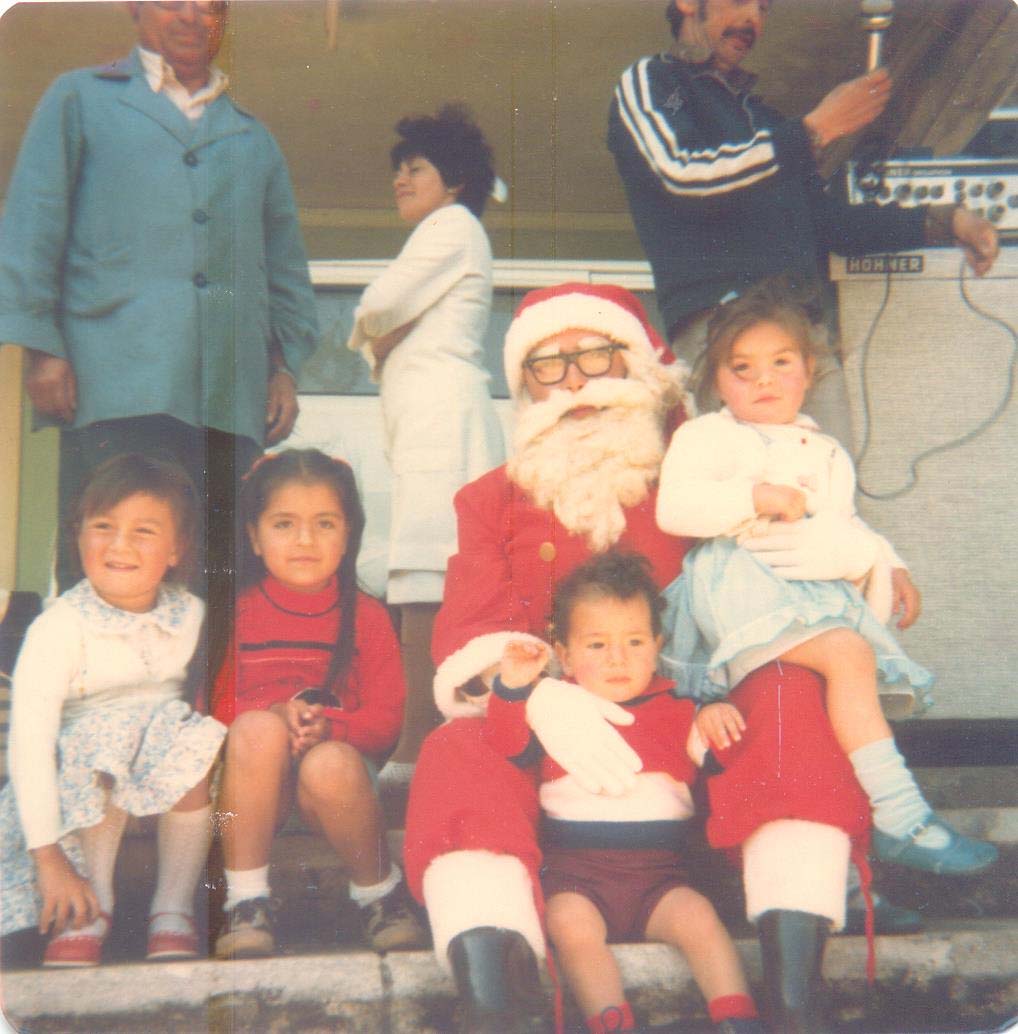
(132, 473)
(612, 575)
(675, 16)
(794, 307)
(455, 145)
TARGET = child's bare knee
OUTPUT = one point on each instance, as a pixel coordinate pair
(699, 909)
(682, 916)
(257, 734)
(844, 646)
(335, 768)
(573, 922)
(833, 651)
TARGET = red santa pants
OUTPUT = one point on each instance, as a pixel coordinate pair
(788, 765)
(464, 796)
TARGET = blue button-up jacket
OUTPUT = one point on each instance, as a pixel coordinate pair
(160, 256)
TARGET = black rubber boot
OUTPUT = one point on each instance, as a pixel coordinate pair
(498, 983)
(792, 946)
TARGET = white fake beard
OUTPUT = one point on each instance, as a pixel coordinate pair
(588, 470)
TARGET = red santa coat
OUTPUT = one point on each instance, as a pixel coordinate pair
(465, 796)
(500, 583)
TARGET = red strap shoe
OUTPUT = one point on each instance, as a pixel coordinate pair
(172, 944)
(75, 950)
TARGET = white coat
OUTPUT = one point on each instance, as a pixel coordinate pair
(441, 428)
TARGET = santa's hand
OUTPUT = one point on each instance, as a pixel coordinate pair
(574, 728)
(819, 548)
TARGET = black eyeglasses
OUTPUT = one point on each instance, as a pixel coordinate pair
(215, 9)
(591, 362)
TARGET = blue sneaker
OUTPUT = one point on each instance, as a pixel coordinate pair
(960, 856)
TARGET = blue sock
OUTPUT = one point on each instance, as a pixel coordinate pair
(898, 804)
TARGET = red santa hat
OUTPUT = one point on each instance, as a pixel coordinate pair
(601, 308)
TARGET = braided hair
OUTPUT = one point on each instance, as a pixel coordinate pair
(311, 467)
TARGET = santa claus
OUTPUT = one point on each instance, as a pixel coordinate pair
(595, 398)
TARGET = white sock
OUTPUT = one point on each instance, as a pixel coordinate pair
(363, 896)
(100, 844)
(244, 885)
(898, 804)
(183, 846)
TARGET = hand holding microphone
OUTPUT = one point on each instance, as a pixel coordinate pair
(849, 107)
(854, 105)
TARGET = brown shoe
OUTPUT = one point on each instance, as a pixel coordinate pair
(393, 922)
(248, 931)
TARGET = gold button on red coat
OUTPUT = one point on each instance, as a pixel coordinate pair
(546, 552)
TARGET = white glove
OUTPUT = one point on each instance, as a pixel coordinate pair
(573, 727)
(819, 548)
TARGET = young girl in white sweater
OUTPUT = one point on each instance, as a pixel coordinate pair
(100, 729)
(725, 477)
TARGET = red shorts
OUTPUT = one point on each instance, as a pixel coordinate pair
(624, 885)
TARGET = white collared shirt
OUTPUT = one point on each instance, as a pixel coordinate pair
(162, 79)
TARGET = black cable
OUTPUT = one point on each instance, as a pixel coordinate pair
(955, 443)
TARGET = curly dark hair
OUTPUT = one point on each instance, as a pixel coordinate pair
(794, 307)
(455, 145)
(310, 467)
(612, 575)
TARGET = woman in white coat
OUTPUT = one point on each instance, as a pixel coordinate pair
(421, 326)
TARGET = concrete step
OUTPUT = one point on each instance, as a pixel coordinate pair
(957, 976)
(960, 974)
(315, 913)
(966, 786)
(301, 863)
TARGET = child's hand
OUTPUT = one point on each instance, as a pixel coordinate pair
(720, 724)
(307, 724)
(781, 501)
(905, 597)
(522, 663)
(65, 894)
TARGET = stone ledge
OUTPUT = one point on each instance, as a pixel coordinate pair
(954, 975)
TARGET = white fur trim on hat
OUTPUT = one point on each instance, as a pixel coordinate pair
(476, 657)
(798, 866)
(467, 889)
(573, 311)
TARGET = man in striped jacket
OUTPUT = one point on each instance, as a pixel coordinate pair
(724, 190)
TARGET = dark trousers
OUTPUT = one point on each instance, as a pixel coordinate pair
(215, 461)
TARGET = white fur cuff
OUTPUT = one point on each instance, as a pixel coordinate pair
(467, 889)
(799, 866)
(476, 657)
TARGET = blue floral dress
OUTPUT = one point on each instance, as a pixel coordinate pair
(97, 692)
(728, 613)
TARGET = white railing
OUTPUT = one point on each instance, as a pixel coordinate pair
(507, 273)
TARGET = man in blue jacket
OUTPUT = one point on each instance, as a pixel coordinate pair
(724, 190)
(152, 267)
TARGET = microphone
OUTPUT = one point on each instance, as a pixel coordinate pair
(876, 20)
